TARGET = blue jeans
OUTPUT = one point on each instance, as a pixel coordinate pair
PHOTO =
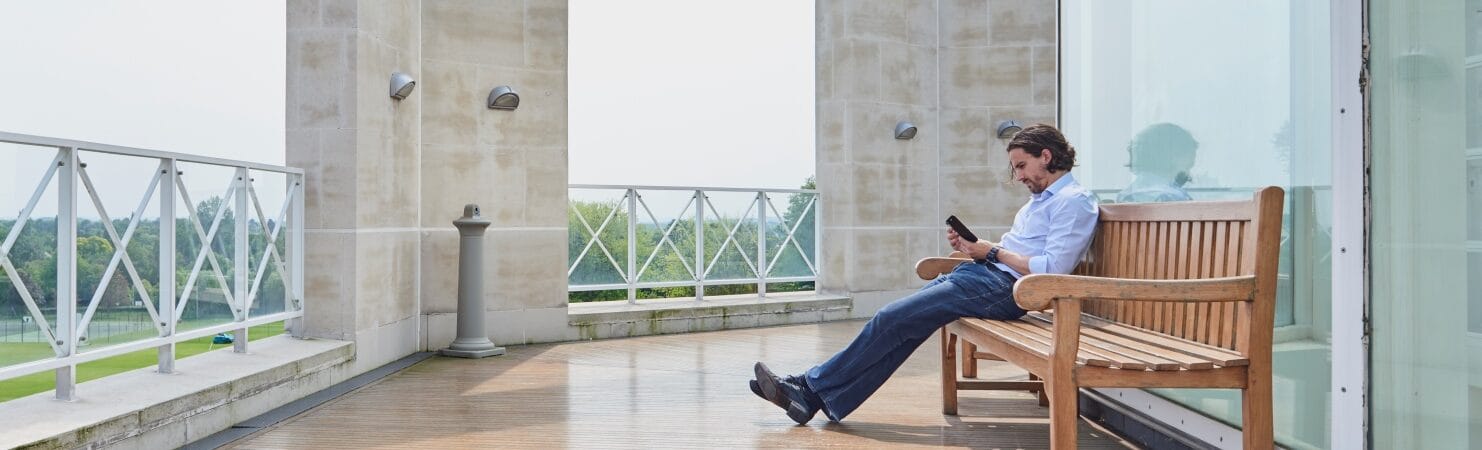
(852, 375)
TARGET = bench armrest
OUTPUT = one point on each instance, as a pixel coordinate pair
(1037, 292)
(930, 268)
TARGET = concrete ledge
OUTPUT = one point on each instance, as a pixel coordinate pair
(208, 393)
(683, 315)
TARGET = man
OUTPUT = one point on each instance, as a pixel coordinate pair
(1161, 156)
(1050, 234)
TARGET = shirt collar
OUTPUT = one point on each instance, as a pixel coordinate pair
(1055, 187)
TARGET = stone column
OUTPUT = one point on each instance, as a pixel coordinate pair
(955, 72)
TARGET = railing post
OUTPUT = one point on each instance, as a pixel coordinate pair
(66, 300)
(296, 252)
(239, 336)
(699, 244)
(632, 245)
(761, 244)
(817, 239)
(167, 264)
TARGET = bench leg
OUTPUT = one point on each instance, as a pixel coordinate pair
(1044, 400)
(949, 373)
(1063, 413)
(969, 359)
(1256, 412)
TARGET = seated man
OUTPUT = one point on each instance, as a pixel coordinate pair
(1050, 234)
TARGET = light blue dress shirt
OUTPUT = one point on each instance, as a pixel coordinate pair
(1054, 228)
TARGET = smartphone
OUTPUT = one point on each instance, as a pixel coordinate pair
(961, 229)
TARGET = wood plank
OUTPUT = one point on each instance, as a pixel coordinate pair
(1219, 356)
(1116, 352)
(1038, 343)
(1230, 377)
(1143, 212)
(1161, 358)
(949, 374)
(1091, 355)
(1020, 385)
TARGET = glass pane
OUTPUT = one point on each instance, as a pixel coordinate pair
(1423, 245)
(208, 295)
(33, 253)
(1167, 120)
(120, 184)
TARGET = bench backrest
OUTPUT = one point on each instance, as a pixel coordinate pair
(1191, 240)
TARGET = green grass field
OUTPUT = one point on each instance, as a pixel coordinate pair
(12, 353)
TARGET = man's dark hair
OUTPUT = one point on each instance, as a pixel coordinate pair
(1040, 137)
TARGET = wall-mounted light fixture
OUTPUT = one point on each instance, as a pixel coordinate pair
(401, 85)
(504, 98)
(1008, 128)
(905, 130)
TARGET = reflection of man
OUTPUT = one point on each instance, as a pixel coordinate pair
(1160, 156)
(1049, 235)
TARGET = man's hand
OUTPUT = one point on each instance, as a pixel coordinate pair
(975, 250)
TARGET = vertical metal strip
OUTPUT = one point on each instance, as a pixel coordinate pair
(699, 244)
(239, 259)
(296, 252)
(66, 301)
(632, 245)
(761, 244)
(166, 280)
(1349, 427)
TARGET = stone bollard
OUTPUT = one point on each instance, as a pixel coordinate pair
(472, 341)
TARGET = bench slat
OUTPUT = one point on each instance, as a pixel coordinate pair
(1176, 359)
(1219, 356)
(1030, 343)
(1046, 337)
(1117, 351)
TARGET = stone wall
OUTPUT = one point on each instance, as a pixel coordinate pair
(955, 72)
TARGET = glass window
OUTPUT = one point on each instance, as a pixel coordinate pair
(1175, 100)
(1426, 236)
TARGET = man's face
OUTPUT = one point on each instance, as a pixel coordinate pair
(1030, 170)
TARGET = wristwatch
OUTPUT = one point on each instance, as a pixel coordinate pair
(993, 254)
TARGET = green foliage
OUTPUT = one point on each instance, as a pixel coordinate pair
(674, 260)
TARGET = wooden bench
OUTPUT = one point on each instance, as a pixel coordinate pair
(1170, 295)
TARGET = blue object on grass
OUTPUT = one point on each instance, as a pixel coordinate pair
(222, 338)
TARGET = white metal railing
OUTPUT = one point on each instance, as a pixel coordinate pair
(69, 167)
(698, 211)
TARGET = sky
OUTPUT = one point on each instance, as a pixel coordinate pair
(662, 92)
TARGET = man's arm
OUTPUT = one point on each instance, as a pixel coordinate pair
(979, 250)
(1071, 227)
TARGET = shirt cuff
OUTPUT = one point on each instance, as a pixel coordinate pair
(1039, 264)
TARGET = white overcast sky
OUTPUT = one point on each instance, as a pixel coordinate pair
(662, 92)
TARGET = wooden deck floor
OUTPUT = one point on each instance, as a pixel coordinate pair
(674, 391)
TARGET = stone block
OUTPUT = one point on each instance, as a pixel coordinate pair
(329, 285)
(451, 101)
(374, 63)
(545, 187)
(386, 277)
(541, 118)
(319, 92)
(976, 77)
(169, 435)
(908, 74)
(857, 69)
(330, 169)
(831, 141)
(836, 191)
(302, 14)
(527, 269)
(545, 34)
(388, 176)
(505, 327)
(978, 200)
(474, 31)
(880, 260)
(206, 423)
(894, 196)
(475, 172)
(339, 13)
(879, 20)
(823, 70)
(1021, 22)
(439, 271)
(870, 129)
(922, 23)
(741, 321)
(964, 23)
(835, 259)
(1046, 74)
(547, 325)
(395, 23)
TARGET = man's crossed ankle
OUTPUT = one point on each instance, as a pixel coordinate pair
(791, 394)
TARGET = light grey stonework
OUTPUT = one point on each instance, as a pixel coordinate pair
(955, 68)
